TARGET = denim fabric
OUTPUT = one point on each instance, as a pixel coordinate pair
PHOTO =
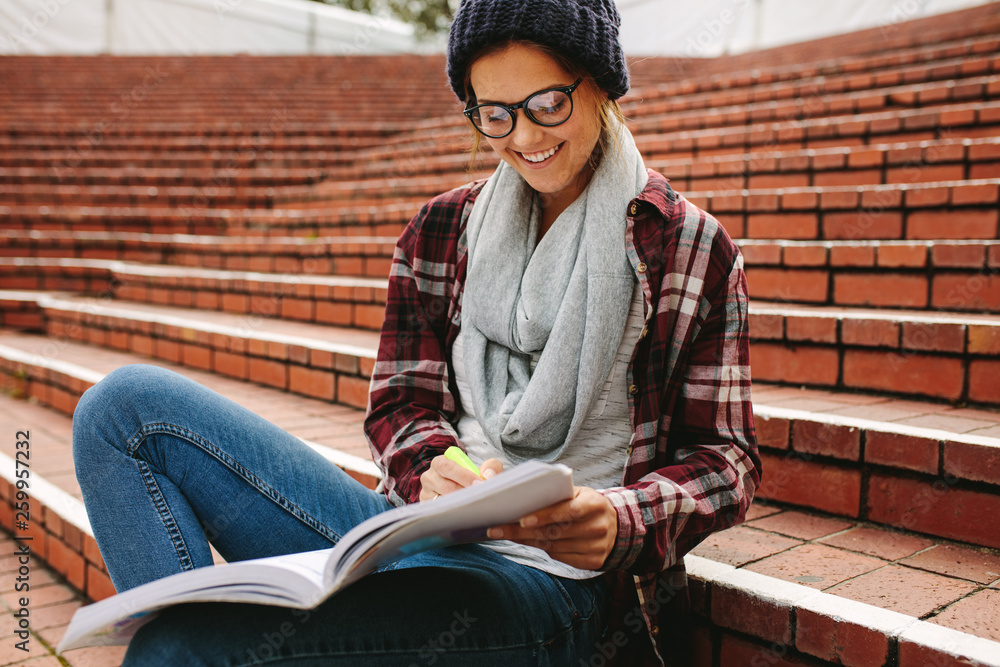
(167, 467)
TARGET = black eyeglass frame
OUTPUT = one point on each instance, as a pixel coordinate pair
(512, 109)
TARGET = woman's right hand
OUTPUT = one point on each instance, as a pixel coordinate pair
(445, 476)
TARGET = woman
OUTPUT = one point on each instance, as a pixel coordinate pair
(571, 308)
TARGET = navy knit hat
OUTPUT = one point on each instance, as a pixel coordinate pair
(586, 31)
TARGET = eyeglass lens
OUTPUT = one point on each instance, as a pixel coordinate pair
(550, 107)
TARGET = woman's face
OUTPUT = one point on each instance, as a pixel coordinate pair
(553, 160)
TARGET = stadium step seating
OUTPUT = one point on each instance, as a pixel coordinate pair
(234, 219)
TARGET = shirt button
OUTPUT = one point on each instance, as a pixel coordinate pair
(633, 390)
(641, 268)
(655, 630)
(633, 209)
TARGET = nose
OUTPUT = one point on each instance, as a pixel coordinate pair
(527, 133)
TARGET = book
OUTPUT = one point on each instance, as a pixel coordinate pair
(304, 580)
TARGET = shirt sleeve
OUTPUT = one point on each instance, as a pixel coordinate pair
(411, 409)
(714, 469)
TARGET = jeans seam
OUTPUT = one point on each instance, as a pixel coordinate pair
(163, 509)
(228, 462)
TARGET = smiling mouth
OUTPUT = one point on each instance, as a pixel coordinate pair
(537, 158)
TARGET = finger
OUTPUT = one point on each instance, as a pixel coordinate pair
(491, 468)
(453, 475)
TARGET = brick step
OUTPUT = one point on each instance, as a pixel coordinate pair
(343, 256)
(357, 303)
(814, 80)
(931, 275)
(326, 362)
(905, 463)
(903, 163)
(960, 209)
(737, 78)
(937, 355)
(956, 276)
(936, 122)
(979, 156)
(192, 218)
(71, 160)
(238, 174)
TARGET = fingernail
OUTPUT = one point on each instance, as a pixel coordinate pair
(494, 533)
(529, 521)
(488, 473)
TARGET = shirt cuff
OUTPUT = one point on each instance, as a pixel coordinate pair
(631, 529)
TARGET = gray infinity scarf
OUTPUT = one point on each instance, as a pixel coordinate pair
(567, 298)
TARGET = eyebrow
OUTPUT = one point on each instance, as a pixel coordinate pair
(540, 90)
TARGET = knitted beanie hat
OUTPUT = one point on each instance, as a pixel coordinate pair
(586, 31)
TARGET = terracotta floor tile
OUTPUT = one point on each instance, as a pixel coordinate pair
(799, 525)
(808, 404)
(11, 655)
(992, 432)
(980, 414)
(740, 545)
(816, 565)
(904, 589)
(878, 412)
(983, 568)
(884, 544)
(55, 615)
(946, 423)
(760, 510)
(977, 614)
(98, 656)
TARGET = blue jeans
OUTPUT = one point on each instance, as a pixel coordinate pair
(167, 466)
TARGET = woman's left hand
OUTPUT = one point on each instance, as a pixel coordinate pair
(579, 532)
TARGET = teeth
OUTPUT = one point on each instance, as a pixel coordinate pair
(538, 157)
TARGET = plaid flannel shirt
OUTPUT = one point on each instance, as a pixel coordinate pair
(692, 464)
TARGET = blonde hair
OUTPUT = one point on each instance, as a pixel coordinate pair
(611, 114)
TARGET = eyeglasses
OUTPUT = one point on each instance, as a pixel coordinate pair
(549, 107)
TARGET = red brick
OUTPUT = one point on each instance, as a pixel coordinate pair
(993, 256)
(787, 285)
(196, 356)
(881, 198)
(875, 289)
(936, 508)
(352, 391)
(902, 451)
(267, 372)
(983, 384)
(762, 201)
(369, 316)
(954, 224)
(328, 312)
(782, 226)
(865, 224)
(899, 256)
(984, 339)
(798, 365)
(736, 651)
(799, 201)
(766, 327)
(839, 640)
(315, 383)
(865, 158)
(772, 431)
(852, 255)
(366, 367)
(808, 255)
(735, 609)
(813, 329)
(820, 439)
(99, 586)
(297, 309)
(232, 365)
(869, 333)
(794, 478)
(90, 551)
(934, 336)
(925, 375)
(975, 194)
(839, 199)
(966, 292)
(761, 254)
(167, 349)
(67, 563)
(958, 255)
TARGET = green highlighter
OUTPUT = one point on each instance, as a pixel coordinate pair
(461, 458)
